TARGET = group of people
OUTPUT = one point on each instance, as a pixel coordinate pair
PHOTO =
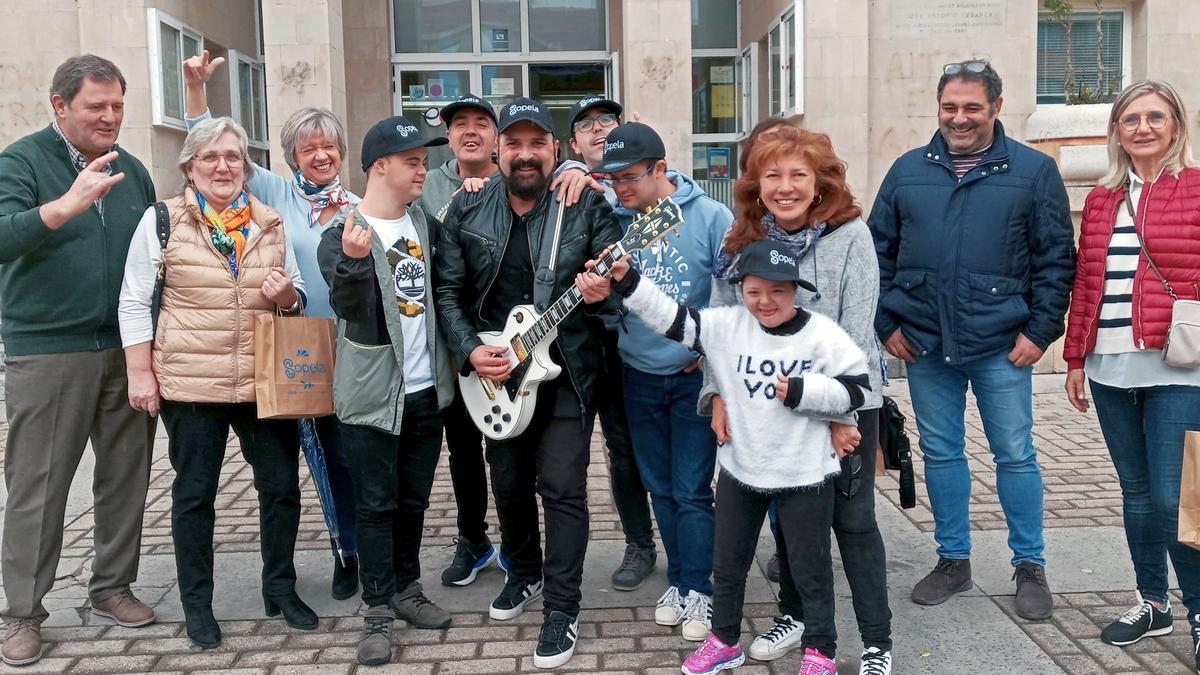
(750, 345)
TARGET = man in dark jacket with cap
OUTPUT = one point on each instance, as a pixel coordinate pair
(492, 244)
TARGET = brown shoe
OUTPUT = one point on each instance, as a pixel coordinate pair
(125, 609)
(22, 642)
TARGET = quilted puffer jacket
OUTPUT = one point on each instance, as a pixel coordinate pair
(1168, 217)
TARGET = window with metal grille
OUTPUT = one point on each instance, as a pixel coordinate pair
(1052, 56)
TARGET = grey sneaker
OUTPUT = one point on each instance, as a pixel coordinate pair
(1033, 592)
(375, 645)
(947, 578)
(419, 611)
(635, 567)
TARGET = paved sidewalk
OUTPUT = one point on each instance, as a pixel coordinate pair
(976, 632)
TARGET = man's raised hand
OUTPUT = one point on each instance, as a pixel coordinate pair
(356, 240)
(90, 186)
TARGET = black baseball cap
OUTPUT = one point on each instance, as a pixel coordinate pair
(525, 109)
(468, 101)
(769, 260)
(392, 135)
(629, 144)
(593, 101)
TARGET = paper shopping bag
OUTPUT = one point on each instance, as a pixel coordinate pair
(1189, 491)
(293, 366)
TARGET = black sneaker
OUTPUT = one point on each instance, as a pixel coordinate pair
(469, 559)
(773, 568)
(948, 577)
(516, 593)
(637, 564)
(1033, 592)
(556, 643)
(1143, 620)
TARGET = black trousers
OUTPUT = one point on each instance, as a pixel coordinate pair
(859, 542)
(625, 481)
(549, 460)
(467, 473)
(197, 435)
(393, 476)
(804, 518)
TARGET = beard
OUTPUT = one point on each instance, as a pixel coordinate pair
(526, 187)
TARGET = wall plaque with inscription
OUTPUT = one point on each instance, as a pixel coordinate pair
(947, 18)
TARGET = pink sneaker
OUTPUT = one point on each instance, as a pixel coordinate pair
(713, 656)
(816, 663)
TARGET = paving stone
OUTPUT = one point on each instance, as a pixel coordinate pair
(480, 666)
(88, 647)
(115, 664)
(460, 650)
(277, 656)
(197, 660)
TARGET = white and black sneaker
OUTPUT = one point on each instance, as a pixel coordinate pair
(697, 617)
(556, 643)
(875, 661)
(1142, 620)
(513, 597)
(670, 607)
(778, 640)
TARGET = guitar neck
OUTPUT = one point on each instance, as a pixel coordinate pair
(557, 312)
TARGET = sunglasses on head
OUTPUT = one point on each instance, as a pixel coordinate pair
(972, 66)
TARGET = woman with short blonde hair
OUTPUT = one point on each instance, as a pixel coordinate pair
(1139, 249)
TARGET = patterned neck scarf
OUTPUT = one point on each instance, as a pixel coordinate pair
(229, 227)
(797, 243)
(319, 196)
(80, 161)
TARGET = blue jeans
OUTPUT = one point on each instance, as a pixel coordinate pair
(676, 453)
(1004, 394)
(1144, 430)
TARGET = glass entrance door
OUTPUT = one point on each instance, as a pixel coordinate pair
(560, 85)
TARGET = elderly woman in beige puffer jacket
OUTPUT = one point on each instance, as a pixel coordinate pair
(226, 260)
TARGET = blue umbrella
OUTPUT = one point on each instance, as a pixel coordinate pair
(314, 454)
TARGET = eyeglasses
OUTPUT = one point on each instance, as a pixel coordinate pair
(211, 159)
(1155, 119)
(605, 120)
(973, 66)
(854, 463)
(633, 179)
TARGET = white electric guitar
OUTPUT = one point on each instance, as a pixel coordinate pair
(502, 410)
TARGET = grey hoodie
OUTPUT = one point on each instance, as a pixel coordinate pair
(440, 186)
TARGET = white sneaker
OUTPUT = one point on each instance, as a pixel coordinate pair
(697, 617)
(875, 661)
(778, 640)
(669, 611)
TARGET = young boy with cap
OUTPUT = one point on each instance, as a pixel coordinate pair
(783, 371)
(675, 447)
(392, 376)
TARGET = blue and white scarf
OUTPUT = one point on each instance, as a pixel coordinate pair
(319, 197)
(797, 243)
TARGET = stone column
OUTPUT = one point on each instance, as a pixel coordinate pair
(305, 62)
(656, 72)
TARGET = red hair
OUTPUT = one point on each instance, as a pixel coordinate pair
(837, 204)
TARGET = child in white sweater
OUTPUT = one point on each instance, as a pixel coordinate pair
(784, 373)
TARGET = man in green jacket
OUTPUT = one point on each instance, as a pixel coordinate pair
(70, 199)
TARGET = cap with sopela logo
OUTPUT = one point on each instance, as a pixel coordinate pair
(593, 101)
(392, 135)
(525, 110)
(629, 144)
(464, 102)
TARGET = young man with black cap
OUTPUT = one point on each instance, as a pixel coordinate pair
(494, 240)
(592, 117)
(674, 445)
(785, 371)
(471, 130)
(392, 376)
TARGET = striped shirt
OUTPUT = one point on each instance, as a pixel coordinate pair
(1114, 333)
(964, 163)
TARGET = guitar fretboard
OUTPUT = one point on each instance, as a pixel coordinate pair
(561, 308)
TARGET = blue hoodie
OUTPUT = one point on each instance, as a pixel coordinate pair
(682, 268)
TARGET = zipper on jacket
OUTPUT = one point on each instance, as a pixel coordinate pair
(487, 289)
(1087, 335)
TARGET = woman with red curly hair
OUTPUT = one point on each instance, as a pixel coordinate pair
(793, 191)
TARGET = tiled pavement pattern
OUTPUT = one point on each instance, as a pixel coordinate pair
(1082, 494)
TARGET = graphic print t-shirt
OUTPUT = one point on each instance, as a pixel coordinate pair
(407, 260)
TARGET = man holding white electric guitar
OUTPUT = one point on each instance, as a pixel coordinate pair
(504, 283)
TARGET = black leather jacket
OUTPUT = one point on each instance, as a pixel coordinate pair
(474, 238)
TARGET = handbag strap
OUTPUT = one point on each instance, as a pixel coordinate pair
(1142, 242)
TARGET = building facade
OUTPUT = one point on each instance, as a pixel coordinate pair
(702, 72)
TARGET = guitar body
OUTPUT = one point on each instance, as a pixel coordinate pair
(503, 411)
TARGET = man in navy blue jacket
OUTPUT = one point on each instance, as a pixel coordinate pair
(976, 263)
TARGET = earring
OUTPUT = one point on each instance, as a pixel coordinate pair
(761, 204)
(817, 200)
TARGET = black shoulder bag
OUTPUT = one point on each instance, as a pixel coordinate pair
(897, 450)
(162, 227)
